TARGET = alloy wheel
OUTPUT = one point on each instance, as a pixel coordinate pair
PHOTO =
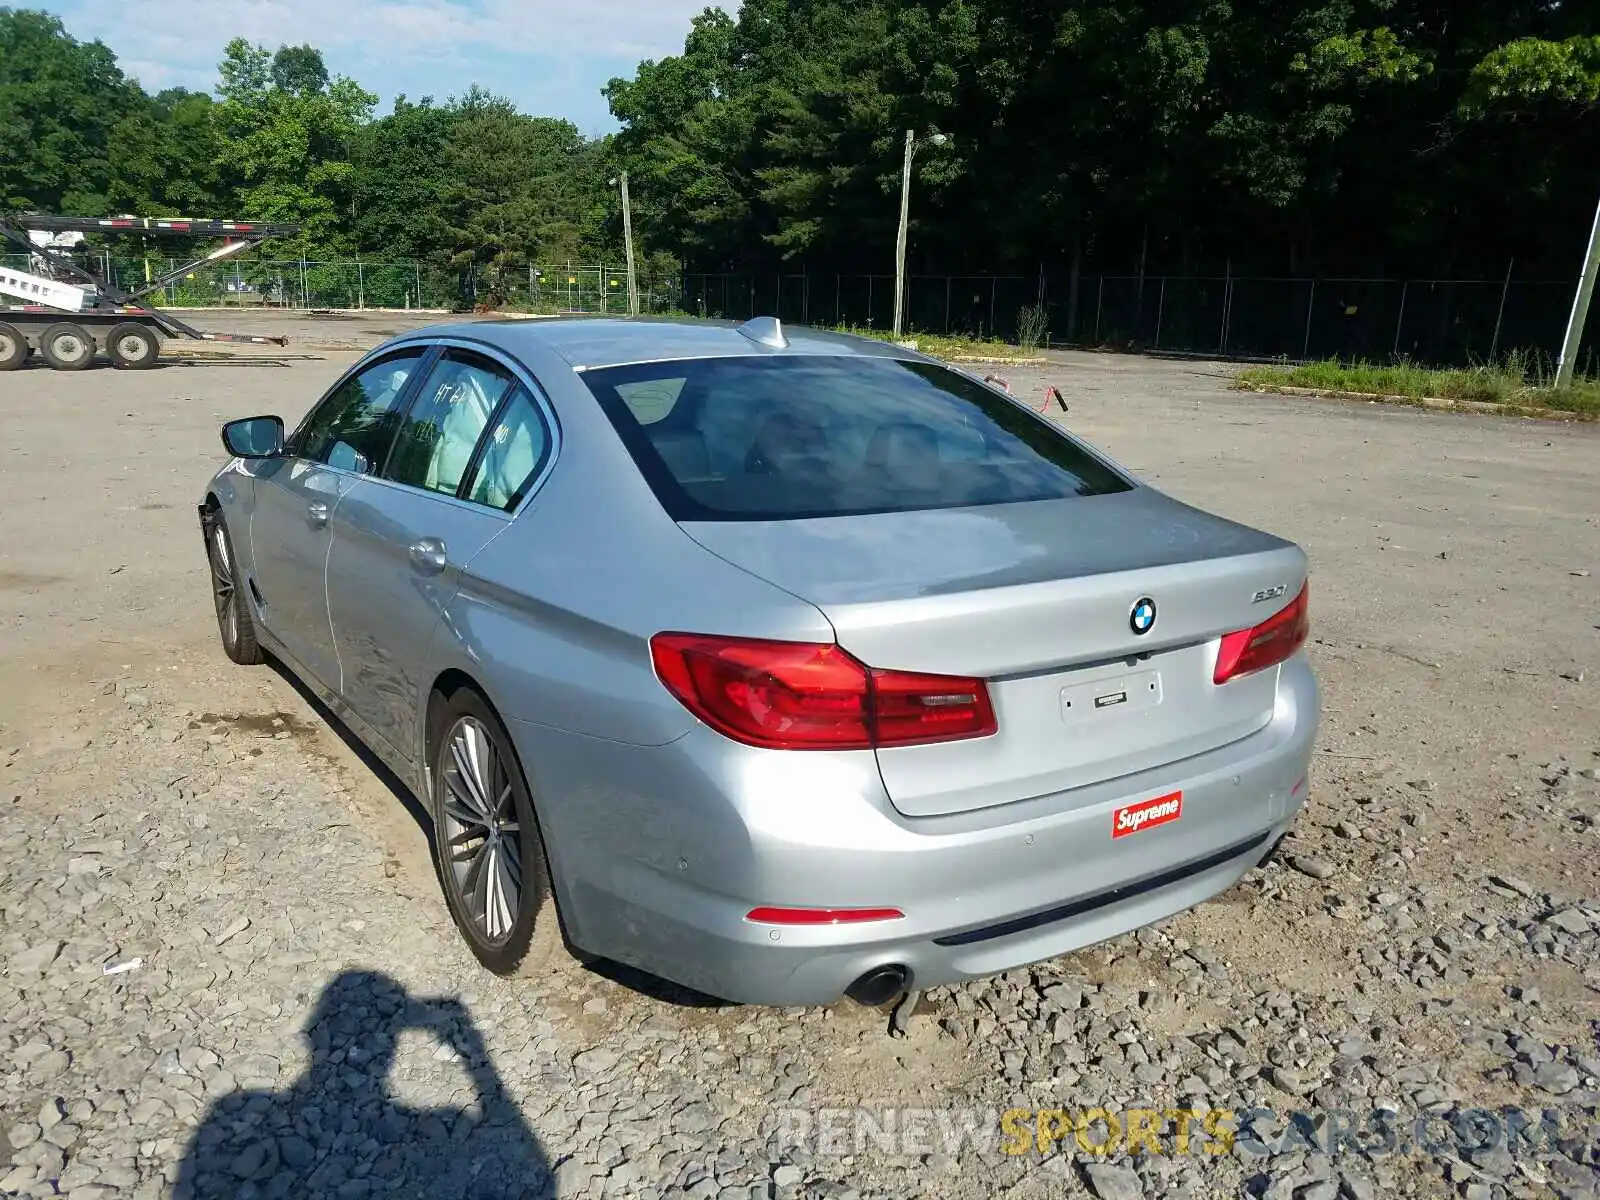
(482, 834)
(222, 586)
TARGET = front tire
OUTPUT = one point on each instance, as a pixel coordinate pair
(234, 621)
(491, 855)
(67, 347)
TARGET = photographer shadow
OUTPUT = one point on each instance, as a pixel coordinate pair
(338, 1132)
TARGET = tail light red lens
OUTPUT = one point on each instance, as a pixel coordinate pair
(814, 696)
(1267, 644)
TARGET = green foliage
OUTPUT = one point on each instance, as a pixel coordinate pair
(1360, 56)
(469, 183)
(288, 148)
(401, 187)
(1126, 130)
(1033, 327)
(684, 135)
(299, 70)
(1333, 136)
(1516, 382)
(60, 101)
(512, 186)
(166, 158)
(1530, 72)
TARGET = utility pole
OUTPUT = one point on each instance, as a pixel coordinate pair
(938, 139)
(900, 242)
(627, 237)
(1580, 307)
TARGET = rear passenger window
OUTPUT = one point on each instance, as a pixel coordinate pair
(452, 409)
(514, 453)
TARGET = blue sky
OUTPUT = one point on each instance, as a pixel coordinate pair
(550, 56)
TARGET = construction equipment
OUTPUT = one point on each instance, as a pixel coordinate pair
(64, 305)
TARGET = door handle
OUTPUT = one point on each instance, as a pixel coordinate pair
(428, 555)
(317, 513)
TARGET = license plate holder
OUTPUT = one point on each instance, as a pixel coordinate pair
(1111, 698)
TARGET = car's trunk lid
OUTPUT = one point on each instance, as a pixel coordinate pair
(1037, 599)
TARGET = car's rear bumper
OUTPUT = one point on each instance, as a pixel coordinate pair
(659, 854)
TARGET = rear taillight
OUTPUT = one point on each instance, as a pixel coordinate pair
(1268, 644)
(814, 696)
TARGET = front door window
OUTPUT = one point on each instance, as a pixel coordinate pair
(353, 428)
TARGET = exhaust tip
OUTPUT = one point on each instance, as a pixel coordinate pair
(879, 985)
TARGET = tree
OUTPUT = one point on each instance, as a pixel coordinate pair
(165, 157)
(512, 190)
(60, 100)
(1529, 74)
(290, 150)
(472, 182)
(1252, 134)
(402, 186)
(688, 142)
(1192, 136)
(299, 70)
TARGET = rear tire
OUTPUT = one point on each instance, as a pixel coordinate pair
(234, 621)
(491, 855)
(14, 347)
(132, 347)
(67, 347)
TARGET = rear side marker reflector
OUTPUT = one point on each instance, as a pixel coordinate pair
(821, 916)
(1267, 644)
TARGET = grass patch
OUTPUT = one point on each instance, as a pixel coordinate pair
(1516, 382)
(941, 346)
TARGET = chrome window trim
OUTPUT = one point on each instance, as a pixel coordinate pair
(518, 372)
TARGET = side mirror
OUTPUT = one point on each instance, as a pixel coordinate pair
(254, 437)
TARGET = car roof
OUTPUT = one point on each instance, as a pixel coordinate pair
(588, 342)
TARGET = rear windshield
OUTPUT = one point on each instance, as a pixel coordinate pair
(762, 439)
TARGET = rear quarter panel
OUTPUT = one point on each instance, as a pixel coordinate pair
(554, 616)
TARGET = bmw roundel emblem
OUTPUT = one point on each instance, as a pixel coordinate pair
(1143, 617)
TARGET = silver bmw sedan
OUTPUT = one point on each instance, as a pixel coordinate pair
(782, 665)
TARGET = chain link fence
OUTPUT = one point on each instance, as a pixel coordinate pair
(1436, 321)
(1439, 321)
(355, 284)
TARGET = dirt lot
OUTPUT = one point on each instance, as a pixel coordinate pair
(1428, 944)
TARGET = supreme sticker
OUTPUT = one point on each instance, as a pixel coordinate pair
(1146, 814)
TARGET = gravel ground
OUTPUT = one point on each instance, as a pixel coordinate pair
(228, 969)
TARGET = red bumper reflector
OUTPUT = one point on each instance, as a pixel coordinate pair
(821, 916)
